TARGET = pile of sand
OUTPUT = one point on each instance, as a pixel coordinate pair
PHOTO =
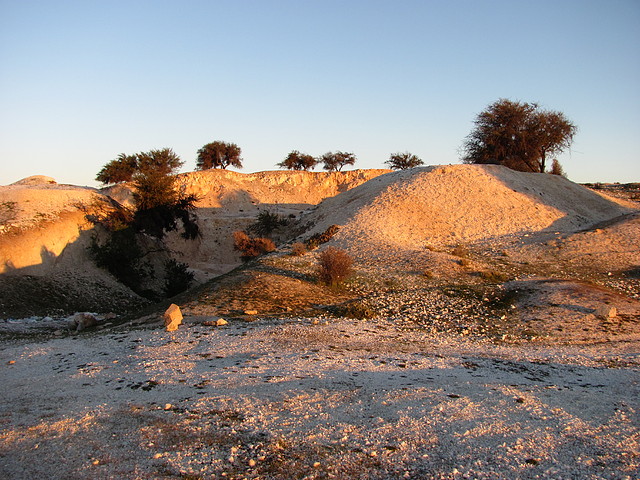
(447, 205)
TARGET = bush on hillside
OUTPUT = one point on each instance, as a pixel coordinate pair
(266, 222)
(298, 249)
(319, 238)
(120, 254)
(251, 247)
(178, 278)
(334, 266)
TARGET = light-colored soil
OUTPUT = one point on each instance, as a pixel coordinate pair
(483, 355)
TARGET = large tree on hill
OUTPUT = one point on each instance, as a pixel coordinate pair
(159, 207)
(335, 161)
(517, 135)
(158, 202)
(119, 170)
(298, 161)
(402, 161)
(219, 155)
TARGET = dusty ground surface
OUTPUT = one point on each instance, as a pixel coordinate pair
(483, 354)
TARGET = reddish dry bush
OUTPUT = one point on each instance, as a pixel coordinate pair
(252, 247)
(298, 249)
(334, 267)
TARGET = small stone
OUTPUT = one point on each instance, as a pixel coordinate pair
(82, 320)
(316, 464)
(172, 317)
(250, 312)
(606, 312)
(221, 322)
(252, 463)
(11, 362)
(157, 455)
(168, 406)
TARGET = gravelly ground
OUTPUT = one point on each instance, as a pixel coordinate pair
(316, 398)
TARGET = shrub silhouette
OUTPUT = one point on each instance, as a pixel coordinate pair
(177, 277)
(266, 222)
(334, 266)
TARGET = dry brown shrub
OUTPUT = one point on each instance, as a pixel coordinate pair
(334, 266)
(460, 251)
(298, 249)
(319, 238)
(252, 247)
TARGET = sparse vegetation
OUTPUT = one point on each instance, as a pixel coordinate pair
(494, 276)
(517, 135)
(298, 161)
(267, 222)
(298, 249)
(464, 262)
(556, 168)
(178, 278)
(359, 309)
(132, 236)
(460, 251)
(402, 161)
(8, 212)
(251, 247)
(219, 155)
(334, 266)
(336, 161)
(319, 238)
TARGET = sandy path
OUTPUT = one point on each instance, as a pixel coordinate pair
(324, 399)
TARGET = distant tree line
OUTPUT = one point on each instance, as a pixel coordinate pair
(518, 135)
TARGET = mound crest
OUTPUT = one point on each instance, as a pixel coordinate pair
(459, 204)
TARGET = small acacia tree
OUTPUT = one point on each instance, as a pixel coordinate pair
(402, 161)
(219, 155)
(517, 135)
(298, 161)
(335, 161)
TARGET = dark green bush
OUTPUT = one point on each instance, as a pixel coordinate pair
(266, 222)
(121, 255)
(177, 277)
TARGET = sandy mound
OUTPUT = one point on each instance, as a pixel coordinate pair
(36, 180)
(459, 204)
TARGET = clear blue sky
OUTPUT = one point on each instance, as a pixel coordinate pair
(82, 81)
